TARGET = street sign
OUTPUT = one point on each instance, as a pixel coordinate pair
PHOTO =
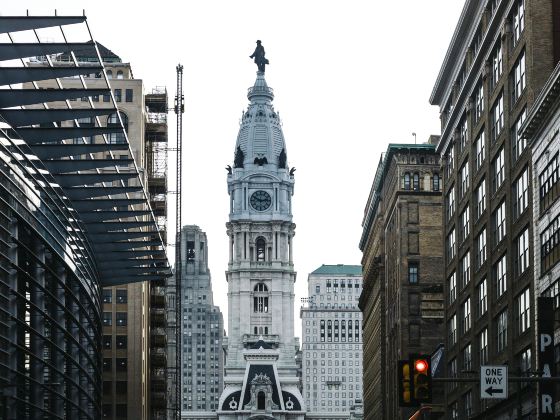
(494, 382)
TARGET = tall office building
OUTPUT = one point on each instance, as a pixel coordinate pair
(402, 298)
(133, 352)
(76, 217)
(261, 370)
(332, 342)
(202, 331)
(500, 56)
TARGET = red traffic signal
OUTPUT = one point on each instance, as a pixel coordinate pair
(421, 379)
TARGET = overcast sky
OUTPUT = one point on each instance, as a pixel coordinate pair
(349, 77)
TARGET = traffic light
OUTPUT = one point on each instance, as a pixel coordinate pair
(405, 384)
(421, 379)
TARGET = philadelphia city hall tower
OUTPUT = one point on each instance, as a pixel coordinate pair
(261, 380)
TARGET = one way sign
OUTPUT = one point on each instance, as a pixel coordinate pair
(493, 382)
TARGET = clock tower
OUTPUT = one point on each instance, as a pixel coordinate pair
(261, 379)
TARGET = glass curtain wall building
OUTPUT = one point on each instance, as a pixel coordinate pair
(73, 218)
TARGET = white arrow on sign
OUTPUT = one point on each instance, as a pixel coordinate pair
(494, 382)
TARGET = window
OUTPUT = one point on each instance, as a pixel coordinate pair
(467, 403)
(128, 95)
(435, 182)
(483, 346)
(107, 295)
(118, 95)
(416, 181)
(452, 281)
(260, 298)
(548, 184)
(121, 342)
(463, 134)
(406, 181)
(522, 254)
(523, 311)
(502, 330)
(121, 410)
(413, 272)
(120, 74)
(453, 373)
(107, 342)
(122, 318)
(482, 292)
(496, 63)
(107, 319)
(518, 143)
(453, 330)
(107, 364)
(499, 223)
(518, 20)
(451, 245)
(109, 74)
(498, 170)
(525, 364)
(450, 160)
(317, 289)
(465, 218)
(450, 202)
(521, 193)
(261, 249)
(466, 315)
(480, 198)
(500, 274)
(518, 78)
(122, 296)
(464, 174)
(121, 364)
(454, 411)
(478, 101)
(481, 248)
(465, 265)
(550, 239)
(480, 149)
(121, 387)
(497, 116)
(113, 121)
(467, 357)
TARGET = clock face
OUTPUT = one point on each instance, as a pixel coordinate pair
(260, 200)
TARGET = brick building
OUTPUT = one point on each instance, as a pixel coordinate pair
(402, 299)
(500, 56)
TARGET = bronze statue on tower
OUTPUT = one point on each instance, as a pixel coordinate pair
(259, 57)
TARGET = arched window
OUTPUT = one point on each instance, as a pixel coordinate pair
(113, 121)
(416, 182)
(261, 287)
(109, 74)
(256, 331)
(120, 75)
(435, 182)
(261, 246)
(265, 330)
(260, 298)
(406, 184)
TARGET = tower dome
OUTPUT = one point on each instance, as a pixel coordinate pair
(260, 141)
